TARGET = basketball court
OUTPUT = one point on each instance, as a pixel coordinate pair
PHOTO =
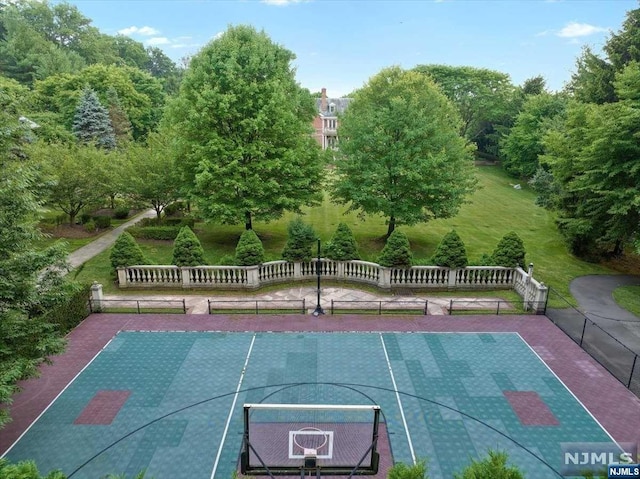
(167, 395)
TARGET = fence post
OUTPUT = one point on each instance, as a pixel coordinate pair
(379, 308)
(426, 307)
(450, 306)
(332, 306)
(498, 309)
(633, 367)
(256, 307)
(184, 306)
(138, 304)
(584, 326)
(209, 305)
(304, 310)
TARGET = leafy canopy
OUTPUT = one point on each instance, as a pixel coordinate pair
(400, 151)
(242, 127)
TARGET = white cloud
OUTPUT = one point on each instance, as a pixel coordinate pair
(281, 3)
(158, 41)
(543, 33)
(575, 29)
(144, 31)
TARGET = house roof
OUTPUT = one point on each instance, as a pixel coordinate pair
(340, 104)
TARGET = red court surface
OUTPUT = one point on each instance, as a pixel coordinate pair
(613, 406)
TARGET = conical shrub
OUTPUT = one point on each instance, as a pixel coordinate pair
(451, 252)
(510, 251)
(249, 250)
(342, 246)
(187, 250)
(299, 242)
(126, 252)
(397, 251)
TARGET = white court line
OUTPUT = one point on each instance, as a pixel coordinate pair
(233, 405)
(56, 398)
(569, 390)
(395, 388)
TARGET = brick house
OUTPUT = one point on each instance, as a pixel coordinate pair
(325, 123)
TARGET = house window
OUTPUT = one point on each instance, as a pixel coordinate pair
(332, 107)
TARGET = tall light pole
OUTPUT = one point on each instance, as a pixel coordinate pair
(318, 311)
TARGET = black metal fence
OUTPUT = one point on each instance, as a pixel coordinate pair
(138, 306)
(491, 306)
(378, 307)
(265, 306)
(610, 352)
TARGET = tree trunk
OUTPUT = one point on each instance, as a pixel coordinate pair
(158, 214)
(247, 220)
(112, 197)
(392, 225)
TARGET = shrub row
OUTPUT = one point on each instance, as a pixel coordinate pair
(71, 311)
(166, 233)
(153, 222)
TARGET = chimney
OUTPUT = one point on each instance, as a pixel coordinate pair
(323, 100)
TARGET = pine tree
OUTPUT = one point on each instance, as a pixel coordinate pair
(126, 252)
(451, 252)
(91, 123)
(187, 250)
(342, 246)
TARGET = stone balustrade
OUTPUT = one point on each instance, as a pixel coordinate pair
(471, 278)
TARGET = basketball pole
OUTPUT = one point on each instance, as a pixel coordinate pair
(318, 311)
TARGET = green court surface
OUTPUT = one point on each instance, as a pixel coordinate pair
(171, 403)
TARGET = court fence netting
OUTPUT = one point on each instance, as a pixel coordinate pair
(617, 358)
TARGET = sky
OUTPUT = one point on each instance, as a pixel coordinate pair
(340, 44)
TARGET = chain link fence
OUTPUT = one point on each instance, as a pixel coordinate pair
(610, 352)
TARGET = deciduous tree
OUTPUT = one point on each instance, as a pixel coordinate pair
(401, 154)
(242, 127)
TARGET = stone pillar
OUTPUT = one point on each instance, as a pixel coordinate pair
(97, 297)
(453, 274)
(253, 277)
(185, 275)
(527, 288)
(340, 270)
(384, 281)
(541, 299)
(122, 278)
(297, 270)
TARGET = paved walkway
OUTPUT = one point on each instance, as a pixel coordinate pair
(96, 247)
(290, 298)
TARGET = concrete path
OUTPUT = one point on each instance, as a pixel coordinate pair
(594, 294)
(292, 298)
(96, 247)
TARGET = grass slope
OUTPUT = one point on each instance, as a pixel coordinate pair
(494, 210)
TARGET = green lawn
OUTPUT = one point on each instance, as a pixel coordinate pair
(628, 297)
(495, 209)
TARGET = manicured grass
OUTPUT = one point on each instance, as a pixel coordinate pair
(628, 297)
(494, 210)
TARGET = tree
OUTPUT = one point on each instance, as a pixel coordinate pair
(485, 100)
(249, 251)
(151, 174)
(523, 146)
(299, 240)
(342, 246)
(494, 466)
(396, 251)
(126, 252)
(91, 123)
(119, 118)
(509, 252)
(31, 276)
(75, 178)
(187, 250)
(534, 86)
(242, 126)
(593, 80)
(451, 252)
(400, 151)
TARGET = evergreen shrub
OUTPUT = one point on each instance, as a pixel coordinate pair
(451, 252)
(400, 470)
(299, 242)
(494, 466)
(249, 250)
(397, 251)
(509, 252)
(187, 249)
(342, 246)
(102, 222)
(126, 252)
(163, 233)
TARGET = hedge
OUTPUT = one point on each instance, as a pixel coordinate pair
(168, 233)
(71, 312)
